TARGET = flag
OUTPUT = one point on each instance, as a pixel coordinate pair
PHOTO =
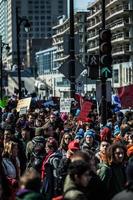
(116, 102)
(125, 94)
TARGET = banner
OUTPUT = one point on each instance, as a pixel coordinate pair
(23, 103)
(65, 105)
(125, 94)
(86, 108)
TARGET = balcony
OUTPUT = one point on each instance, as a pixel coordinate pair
(120, 50)
(93, 37)
(111, 3)
(121, 9)
(93, 26)
(120, 37)
(93, 48)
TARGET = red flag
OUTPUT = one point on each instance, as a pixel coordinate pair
(86, 108)
(126, 96)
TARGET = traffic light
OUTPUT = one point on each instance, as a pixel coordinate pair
(105, 48)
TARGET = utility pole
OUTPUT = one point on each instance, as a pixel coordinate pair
(72, 52)
(103, 79)
(18, 54)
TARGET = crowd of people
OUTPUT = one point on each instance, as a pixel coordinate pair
(48, 155)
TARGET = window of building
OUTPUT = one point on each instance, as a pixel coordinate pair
(42, 29)
(36, 23)
(30, 11)
(116, 75)
(48, 11)
(60, 7)
(49, 29)
(48, 23)
(48, 34)
(48, 17)
(42, 23)
(42, 17)
(36, 17)
(37, 29)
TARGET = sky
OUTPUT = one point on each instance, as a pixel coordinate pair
(81, 4)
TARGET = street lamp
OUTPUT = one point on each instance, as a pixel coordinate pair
(6, 46)
(19, 21)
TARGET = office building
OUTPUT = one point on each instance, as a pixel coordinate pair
(42, 15)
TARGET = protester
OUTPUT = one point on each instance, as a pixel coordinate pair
(29, 187)
(127, 193)
(48, 142)
(76, 181)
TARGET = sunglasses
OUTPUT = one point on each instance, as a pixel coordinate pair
(67, 138)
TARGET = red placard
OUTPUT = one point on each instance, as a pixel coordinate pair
(85, 110)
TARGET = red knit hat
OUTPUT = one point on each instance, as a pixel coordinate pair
(73, 145)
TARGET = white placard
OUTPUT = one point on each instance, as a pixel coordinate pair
(65, 105)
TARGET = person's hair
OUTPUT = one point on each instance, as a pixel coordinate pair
(86, 156)
(31, 180)
(52, 143)
(78, 167)
(25, 129)
(62, 143)
(9, 130)
(111, 151)
(8, 147)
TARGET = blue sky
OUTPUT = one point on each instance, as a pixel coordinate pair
(81, 4)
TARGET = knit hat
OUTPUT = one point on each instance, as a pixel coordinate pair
(90, 133)
(73, 145)
(38, 139)
(105, 134)
(79, 134)
(116, 130)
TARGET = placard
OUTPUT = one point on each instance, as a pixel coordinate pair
(65, 105)
(22, 103)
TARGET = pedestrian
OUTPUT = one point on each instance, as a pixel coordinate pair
(127, 193)
(76, 181)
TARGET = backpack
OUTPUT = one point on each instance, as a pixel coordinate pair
(50, 182)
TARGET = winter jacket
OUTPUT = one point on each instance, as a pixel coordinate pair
(113, 177)
(25, 194)
(72, 191)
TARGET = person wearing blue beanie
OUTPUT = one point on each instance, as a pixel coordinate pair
(90, 133)
(90, 142)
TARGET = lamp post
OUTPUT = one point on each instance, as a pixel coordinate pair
(72, 52)
(2, 45)
(19, 21)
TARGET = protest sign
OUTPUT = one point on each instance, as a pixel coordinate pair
(65, 105)
(22, 103)
(23, 111)
(86, 108)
